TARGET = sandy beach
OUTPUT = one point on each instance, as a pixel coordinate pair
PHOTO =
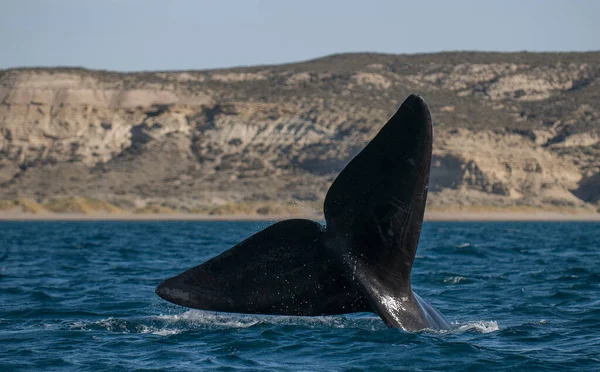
(431, 216)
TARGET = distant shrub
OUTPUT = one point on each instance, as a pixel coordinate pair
(81, 205)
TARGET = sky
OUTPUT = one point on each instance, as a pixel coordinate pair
(136, 35)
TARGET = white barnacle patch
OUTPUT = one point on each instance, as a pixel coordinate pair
(412, 162)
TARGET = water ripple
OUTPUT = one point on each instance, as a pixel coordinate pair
(80, 296)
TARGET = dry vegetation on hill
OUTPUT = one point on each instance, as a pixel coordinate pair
(513, 130)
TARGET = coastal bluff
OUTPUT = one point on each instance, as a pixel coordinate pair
(513, 132)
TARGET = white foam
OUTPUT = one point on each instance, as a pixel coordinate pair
(80, 326)
(480, 326)
(454, 279)
(123, 326)
(160, 331)
(193, 320)
(199, 318)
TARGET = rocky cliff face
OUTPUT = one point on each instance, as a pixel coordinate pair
(515, 129)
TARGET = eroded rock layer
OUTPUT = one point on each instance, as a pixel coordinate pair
(512, 129)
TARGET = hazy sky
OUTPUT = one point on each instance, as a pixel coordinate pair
(130, 35)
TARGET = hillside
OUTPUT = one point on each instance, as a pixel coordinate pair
(512, 131)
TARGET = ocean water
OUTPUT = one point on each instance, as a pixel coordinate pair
(80, 296)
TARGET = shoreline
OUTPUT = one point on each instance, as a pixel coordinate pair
(431, 216)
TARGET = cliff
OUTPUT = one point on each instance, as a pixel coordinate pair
(512, 130)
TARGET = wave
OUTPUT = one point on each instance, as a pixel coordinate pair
(204, 319)
(197, 320)
(454, 279)
(125, 326)
(480, 326)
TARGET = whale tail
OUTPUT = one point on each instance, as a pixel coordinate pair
(373, 210)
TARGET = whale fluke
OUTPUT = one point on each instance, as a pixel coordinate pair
(361, 260)
(283, 270)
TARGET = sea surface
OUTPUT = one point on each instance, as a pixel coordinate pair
(80, 296)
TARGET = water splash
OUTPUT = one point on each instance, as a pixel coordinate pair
(204, 319)
(480, 326)
(454, 279)
(115, 325)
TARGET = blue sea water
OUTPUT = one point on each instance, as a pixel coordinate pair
(80, 296)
